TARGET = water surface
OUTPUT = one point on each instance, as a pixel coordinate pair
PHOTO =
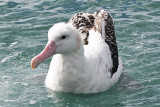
(23, 34)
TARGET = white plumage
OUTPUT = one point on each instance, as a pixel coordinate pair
(75, 67)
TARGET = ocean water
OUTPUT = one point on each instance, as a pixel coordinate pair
(23, 34)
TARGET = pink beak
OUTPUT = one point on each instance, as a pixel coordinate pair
(48, 51)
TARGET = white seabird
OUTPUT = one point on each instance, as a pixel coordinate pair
(85, 55)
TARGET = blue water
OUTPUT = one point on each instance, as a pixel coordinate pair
(23, 34)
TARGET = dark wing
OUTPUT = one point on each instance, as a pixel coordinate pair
(85, 21)
(110, 37)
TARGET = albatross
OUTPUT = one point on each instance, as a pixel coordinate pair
(84, 54)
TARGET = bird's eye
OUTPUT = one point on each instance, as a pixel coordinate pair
(63, 37)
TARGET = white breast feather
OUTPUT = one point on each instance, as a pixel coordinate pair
(83, 73)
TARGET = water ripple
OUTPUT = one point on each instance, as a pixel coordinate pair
(23, 34)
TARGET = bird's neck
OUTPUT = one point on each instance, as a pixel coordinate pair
(73, 73)
(74, 59)
(68, 72)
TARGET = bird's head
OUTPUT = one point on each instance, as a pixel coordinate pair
(63, 38)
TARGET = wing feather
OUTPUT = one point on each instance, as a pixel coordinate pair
(102, 22)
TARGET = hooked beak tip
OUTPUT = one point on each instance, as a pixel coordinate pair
(34, 63)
